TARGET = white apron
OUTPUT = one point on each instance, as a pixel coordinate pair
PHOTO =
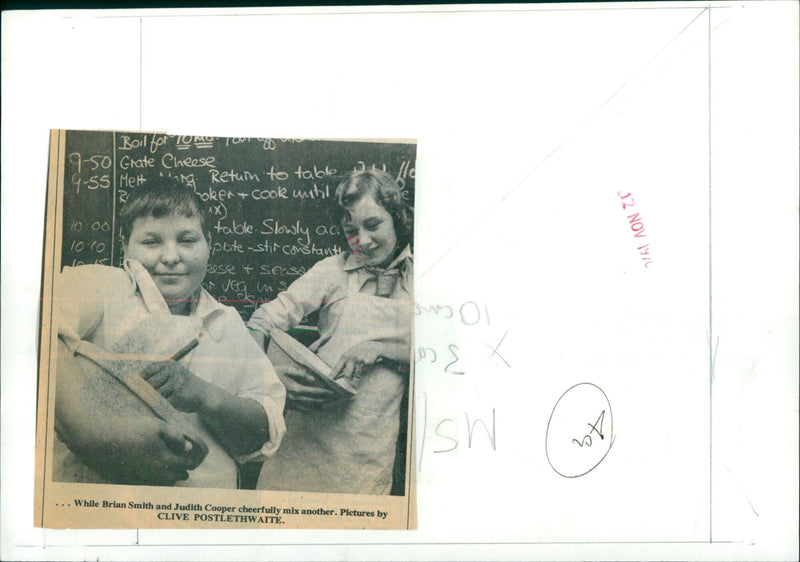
(349, 448)
(218, 469)
(159, 335)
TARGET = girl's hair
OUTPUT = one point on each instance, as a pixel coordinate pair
(161, 199)
(387, 194)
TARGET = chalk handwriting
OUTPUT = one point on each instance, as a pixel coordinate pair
(89, 172)
(187, 142)
(265, 201)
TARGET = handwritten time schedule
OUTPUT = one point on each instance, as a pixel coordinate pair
(267, 200)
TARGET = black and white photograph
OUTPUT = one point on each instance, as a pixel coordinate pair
(230, 313)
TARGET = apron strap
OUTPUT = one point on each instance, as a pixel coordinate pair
(136, 384)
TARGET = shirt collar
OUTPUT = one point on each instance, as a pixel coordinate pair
(353, 261)
(207, 309)
(212, 313)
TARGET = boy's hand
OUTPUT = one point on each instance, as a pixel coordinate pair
(150, 452)
(191, 449)
(240, 424)
(178, 385)
(116, 434)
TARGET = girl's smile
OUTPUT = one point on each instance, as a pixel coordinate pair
(370, 233)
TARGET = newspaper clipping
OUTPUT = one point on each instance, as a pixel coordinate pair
(226, 334)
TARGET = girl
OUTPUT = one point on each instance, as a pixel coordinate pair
(365, 314)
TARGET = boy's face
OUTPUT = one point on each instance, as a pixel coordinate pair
(174, 252)
(370, 233)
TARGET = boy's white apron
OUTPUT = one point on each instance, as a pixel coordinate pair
(159, 334)
(349, 447)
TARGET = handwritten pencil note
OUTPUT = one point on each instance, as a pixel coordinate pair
(575, 446)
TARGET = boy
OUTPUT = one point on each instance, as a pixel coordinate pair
(228, 395)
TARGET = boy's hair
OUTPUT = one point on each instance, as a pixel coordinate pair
(383, 187)
(159, 199)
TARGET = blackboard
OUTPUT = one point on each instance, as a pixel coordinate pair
(267, 200)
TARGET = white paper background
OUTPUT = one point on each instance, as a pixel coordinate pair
(529, 121)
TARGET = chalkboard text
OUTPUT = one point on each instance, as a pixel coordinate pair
(266, 200)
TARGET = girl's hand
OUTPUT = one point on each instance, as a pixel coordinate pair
(357, 359)
(178, 385)
(302, 389)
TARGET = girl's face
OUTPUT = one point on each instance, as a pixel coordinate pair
(174, 252)
(370, 233)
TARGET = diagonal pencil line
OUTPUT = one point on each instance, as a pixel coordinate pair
(742, 490)
(591, 116)
(520, 10)
(711, 355)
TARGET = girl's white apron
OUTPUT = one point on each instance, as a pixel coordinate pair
(348, 447)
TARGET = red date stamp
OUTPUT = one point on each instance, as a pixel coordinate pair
(637, 227)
